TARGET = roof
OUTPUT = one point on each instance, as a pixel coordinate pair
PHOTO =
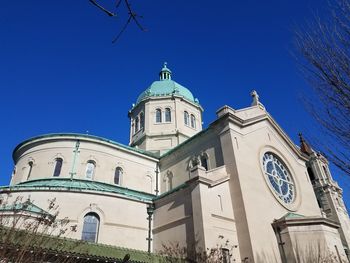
(73, 248)
(84, 136)
(166, 87)
(26, 206)
(79, 185)
(174, 149)
(291, 215)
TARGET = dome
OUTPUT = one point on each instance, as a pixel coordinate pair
(166, 87)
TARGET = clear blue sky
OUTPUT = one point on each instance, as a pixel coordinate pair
(59, 71)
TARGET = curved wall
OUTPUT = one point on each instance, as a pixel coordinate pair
(122, 220)
(36, 159)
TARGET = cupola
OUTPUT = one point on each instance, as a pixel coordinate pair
(164, 115)
(165, 73)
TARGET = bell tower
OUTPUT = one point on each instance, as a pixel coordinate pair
(328, 193)
(164, 115)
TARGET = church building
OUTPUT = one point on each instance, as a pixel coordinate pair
(240, 184)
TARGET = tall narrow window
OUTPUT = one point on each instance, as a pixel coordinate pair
(30, 166)
(226, 258)
(90, 227)
(158, 115)
(118, 174)
(311, 174)
(325, 172)
(193, 121)
(204, 161)
(167, 115)
(142, 120)
(90, 170)
(58, 167)
(186, 118)
(137, 124)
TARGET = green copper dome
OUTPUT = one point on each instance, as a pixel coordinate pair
(165, 87)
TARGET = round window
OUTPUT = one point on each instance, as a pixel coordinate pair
(279, 178)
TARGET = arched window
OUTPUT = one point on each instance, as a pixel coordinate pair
(167, 115)
(90, 170)
(226, 257)
(137, 127)
(204, 161)
(158, 115)
(186, 118)
(90, 227)
(193, 121)
(58, 167)
(30, 166)
(118, 174)
(142, 120)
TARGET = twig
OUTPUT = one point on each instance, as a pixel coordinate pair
(102, 8)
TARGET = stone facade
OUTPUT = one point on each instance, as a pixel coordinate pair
(240, 184)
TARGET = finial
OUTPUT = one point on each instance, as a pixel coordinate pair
(301, 138)
(304, 146)
(165, 64)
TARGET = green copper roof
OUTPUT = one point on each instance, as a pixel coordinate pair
(166, 87)
(63, 247)
(26, 206)
(80, 185)
(292, 215)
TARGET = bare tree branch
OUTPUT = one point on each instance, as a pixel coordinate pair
(132, 16)
(102, 8)
(122, 30)
(324, 49)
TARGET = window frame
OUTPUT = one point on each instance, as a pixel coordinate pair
(186, 118)
(158, 115)
(30, 166)
(142, 120)
(167, 115)
(120, 175)
(137, 124)
(58, 167)
(93, 171)
(193, 121)
(204, 156)
(97, 229)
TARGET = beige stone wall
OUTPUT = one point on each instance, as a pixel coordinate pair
(123, 222)
(199, 214)
(165, 135)
(306, 242)
(138, 170)
(173, 222)
(260, 206)
(178, 162)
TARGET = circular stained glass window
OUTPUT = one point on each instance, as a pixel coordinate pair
(279, 177)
